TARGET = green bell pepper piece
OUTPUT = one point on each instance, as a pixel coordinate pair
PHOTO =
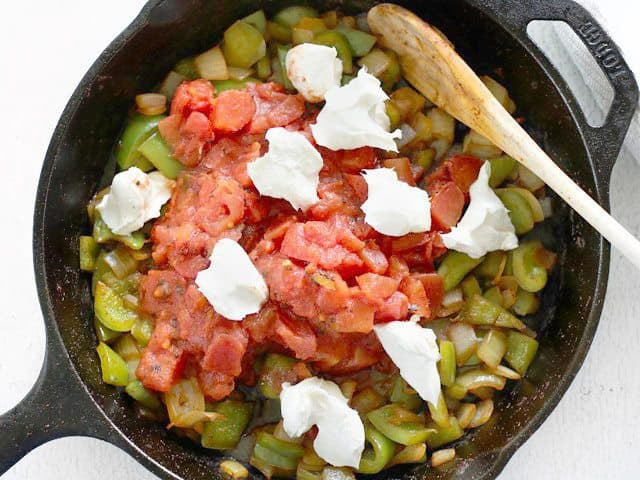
(378, 454)
(110, 310)
(442, 436)
(136, 131)
(470, 287)
(332, 38)
(104, 334)
(529, 273)
(224, 433)
(159, 154)
(276, 452)
(142, 331)
(144, 397)
(187, 68)
(480, 311)
(282, 57)
(399, 424)
(290, 16)
(223, 85)
(520, 212)
(243, 45)
(521, 351)
(360, 42)
(257, 19)
(114, 368)
(89, 250)
(455, 266)
(103, 234)
(501, 168)
(447, 363)
(399, 394)
(274, 368)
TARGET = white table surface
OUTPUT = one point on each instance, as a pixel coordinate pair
(45, 48)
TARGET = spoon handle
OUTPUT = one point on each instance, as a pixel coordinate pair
(517, 143)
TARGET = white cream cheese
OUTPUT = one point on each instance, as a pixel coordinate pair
(354, 116)
(414, 351)
(232, 284)
(315, 401)
(313, 70)
(393, 207)
(135, 198)
(289, 170)
(486, 225)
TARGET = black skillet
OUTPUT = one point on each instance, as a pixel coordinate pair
(69, 397)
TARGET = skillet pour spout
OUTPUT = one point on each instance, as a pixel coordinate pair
(70, 398)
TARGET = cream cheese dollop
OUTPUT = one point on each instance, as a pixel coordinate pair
(289, 170)
(394, 207)
(135, 197)
(486, 225)
(415, 352)
(313, 70)
(314, 401)
(354, 116)
(232, 284)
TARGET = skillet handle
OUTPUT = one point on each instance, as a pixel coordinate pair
(605, 141)
(57, 406)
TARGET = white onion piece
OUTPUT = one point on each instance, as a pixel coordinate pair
(547, 208)
(151, 103)
(408, 134)
(452, 297)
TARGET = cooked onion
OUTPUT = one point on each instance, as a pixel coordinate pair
(408, 134)
(484, 410)
(183, 398)
(464, 340)
(465, 414)
(547, 207)
(151, 103)
(237, 73)
(441, 457)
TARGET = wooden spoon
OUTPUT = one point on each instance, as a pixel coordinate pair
(432, 66)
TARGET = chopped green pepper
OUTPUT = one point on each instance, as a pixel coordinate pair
(520, 212)
(399, 424)
(360, 42)
(110, 310)
(442, 436)
(104, 334)
(332, 38)
(480, 311)
(470, 287)
(243, 45)
(274, 368)
(378, 455)
(501, 168)
(290, 16)
(447, 363)
(367, 400)
(103, 234)
(278, 32)
(142, 331)
(263, 68)
(187, 68)
(257, 19)
(224, 433)
(403, 395)
(521, 350)
(276, 452)
(439, 412)
(114, 368)
(529, 273)
(282, 57)
(526, 303)
(89, 250)
(492, 265)
(223, 85)
(144, 397)
(136, 131)
(492, 348)
(392, 74)
(455, 266)
(159, 154)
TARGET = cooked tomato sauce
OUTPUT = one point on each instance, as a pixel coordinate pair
(331, 277)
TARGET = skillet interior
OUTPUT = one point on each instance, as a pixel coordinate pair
(177, 28)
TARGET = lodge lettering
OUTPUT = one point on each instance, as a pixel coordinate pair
(600, 47)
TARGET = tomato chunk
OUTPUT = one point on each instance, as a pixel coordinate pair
(464, 171)
(232, 110)
(446, 206)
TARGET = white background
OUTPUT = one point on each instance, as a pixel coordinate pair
(45, 48)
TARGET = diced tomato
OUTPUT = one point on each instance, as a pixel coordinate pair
(357, 317)
(446, 206)
(398, 268)
(415, 292)
(353, 161)
(214, 385)
(434, 288)
(274, 108)
(374, 259)
(402, 166)
(232, 110)
(409, 241)
(187, 138)
(297, 336)
(359, 185)
(194, 96)
(396, 307)
(225, 352)
(377, 287)
(464, 171)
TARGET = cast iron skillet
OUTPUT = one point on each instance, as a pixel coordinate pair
(69, 397)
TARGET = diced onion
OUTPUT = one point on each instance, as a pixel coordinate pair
(181, 399)
(464, 340)
(528, 179)
(452, 296)
(441, 457)
(441, 147)
(465, 414)
(234, 469)
(121, 262)
(484, 410)
(506, 372)
(547, 207)
(376, 62)
(151, 103)
(362, 23)
(408, 134)
(334, 473)
(409, 454)
(280, 434)
(212, 65)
